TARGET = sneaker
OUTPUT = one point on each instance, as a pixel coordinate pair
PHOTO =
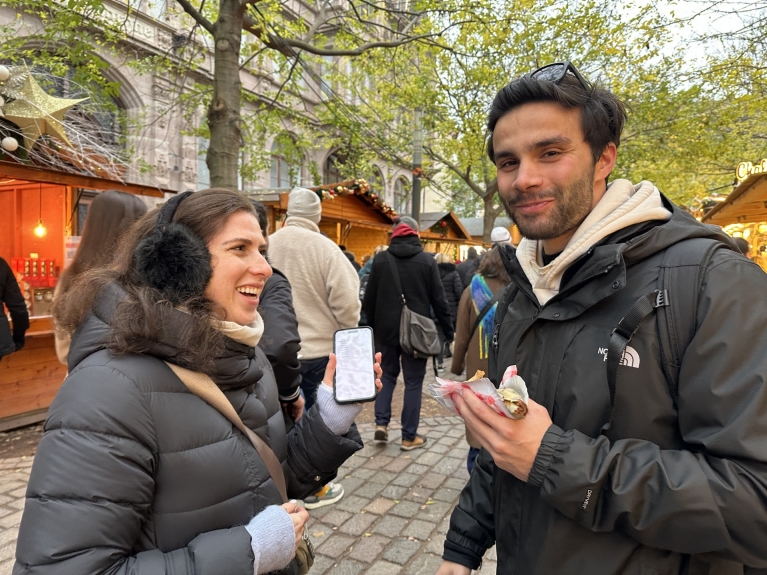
(381, 435)
(441, 367)
(328, 495)
(410, 444)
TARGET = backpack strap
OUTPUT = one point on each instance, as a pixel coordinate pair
(508, 298)
(682, 273)
(680, 280)
(395, 273)
(622, 334)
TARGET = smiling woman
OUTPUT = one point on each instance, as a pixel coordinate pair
(239, 269)
(136, 471)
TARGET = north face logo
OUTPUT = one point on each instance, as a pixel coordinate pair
(630, 357)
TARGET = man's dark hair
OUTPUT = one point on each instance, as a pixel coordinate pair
(471, 253)
(742, 244)
(602, 113)
(263, 220)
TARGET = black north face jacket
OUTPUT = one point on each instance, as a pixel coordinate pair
(668, 483)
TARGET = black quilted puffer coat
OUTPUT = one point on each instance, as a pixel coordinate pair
(451, 281)
(136, 475)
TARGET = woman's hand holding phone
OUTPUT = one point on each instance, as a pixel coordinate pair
(330, 371)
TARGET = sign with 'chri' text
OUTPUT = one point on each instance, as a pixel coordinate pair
(746, 169)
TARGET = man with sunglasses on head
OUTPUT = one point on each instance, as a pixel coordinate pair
(640, 335)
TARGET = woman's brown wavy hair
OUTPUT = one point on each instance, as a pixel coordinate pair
(143, 315)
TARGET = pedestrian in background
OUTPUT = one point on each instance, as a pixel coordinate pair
(325, 296)
(353, 260)
(469, 267)
(453, 286)
(472, 337)
(423, 291)
(280, 342)
(743, 246)
(10, 296)
(109, 215)
(365, 270)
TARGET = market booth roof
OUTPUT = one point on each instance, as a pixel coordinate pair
(747, 203)
(444, 227)
(22, 172)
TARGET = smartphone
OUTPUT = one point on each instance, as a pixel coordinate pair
(355, 379)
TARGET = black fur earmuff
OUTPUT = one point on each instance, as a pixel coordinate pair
(172, 259)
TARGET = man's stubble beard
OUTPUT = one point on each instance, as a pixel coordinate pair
(571, 207)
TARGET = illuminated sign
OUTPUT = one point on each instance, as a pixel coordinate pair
(746, 169)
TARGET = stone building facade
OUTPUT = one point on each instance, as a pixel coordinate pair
(166, 155)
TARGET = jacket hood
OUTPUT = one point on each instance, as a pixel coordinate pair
(405, 246)
(446, 268)
(630, 245)
(235, 368)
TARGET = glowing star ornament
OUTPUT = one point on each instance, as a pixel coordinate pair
(37, 113)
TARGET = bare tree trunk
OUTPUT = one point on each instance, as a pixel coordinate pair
(224, 110)
(491, 212)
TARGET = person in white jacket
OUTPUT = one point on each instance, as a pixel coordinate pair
(325, 296)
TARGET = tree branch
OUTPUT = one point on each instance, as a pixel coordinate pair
(288, 46)
(465, 176)
(198, 17)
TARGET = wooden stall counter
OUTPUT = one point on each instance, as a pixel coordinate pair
(30, 378)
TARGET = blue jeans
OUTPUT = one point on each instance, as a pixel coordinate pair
(413, 371)
(312, 372)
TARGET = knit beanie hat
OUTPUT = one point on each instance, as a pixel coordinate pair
(405, 220)
(500, 236)
(305, 203)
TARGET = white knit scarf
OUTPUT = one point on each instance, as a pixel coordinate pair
(250, 335)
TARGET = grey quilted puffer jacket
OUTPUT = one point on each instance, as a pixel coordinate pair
(136, 475)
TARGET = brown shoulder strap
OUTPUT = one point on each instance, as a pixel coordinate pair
(203, 387)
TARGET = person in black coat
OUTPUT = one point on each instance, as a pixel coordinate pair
(423, 292)
(10, 295)
(280, 342)
(468, 268)
(453, 285)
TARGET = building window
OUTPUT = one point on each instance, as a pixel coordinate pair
(332, 170)
(376, 182)
(283, 174)
(402, 196)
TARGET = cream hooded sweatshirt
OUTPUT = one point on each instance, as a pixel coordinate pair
(623, 205)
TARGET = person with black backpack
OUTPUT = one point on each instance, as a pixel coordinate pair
(640, 335)
(404, 285)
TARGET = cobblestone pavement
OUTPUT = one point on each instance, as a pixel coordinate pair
(392, 519)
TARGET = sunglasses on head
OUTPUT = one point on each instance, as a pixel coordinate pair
(555, 72)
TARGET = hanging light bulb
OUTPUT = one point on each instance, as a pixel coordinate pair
(40, 230)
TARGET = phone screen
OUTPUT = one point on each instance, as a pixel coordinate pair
(355, 378)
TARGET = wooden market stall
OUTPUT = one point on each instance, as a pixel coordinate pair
(443, 232)
(351, 215)
(744, 212)
(37, 208)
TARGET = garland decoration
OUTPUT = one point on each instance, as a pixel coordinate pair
(358, 187)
